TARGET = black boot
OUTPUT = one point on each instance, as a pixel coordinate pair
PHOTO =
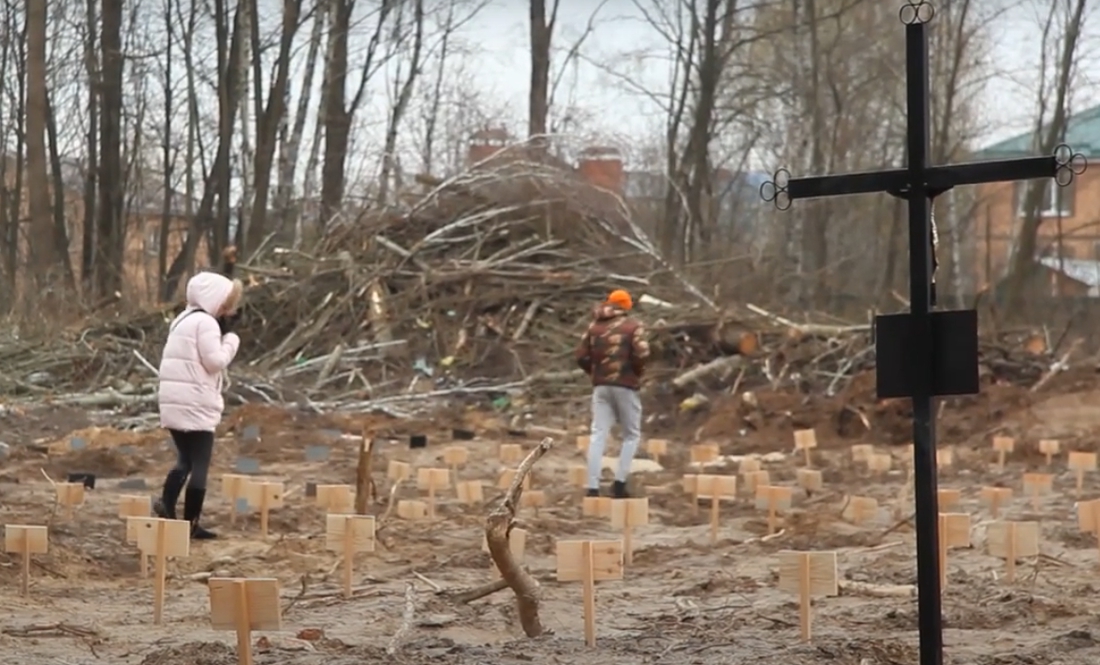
(165, 506)
(618, 490)
(595, 492)
(192, 509)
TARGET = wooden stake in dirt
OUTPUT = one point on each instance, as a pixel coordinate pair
(398, 471)
(264, 496)
(704, 453)
(244, 605)
(861, 452)
(336, 498)
(715, 488)
(748, 465)
(26, 540)
(1080, 463)
(578, 476)
(879, 463)
(161, 539)
(773, 498)
(498, 524)
(582, 442)
(365, 491)
(948, 498)
(1088, 518)
(511, 453)
(1003, 445)
(756, 479)
(588, 562)
(349, 535)
(534, 499)
(432, 481)
(517, 545)
(996, 498)
(690, 483)
(807, 574)
(69, 496)
(1037, 485)
(596, 506)
(805, 440)
(860, 509)
(470, 492)
(945, 457)
(1048, 448)
(412, 511)
(627, 514)
(233, 489)
(135, 505)
(456, 457)
(954, 532)
(1011, 541)
(657, 448)
(809, 480)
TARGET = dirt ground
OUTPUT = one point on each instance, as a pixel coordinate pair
(682, 601)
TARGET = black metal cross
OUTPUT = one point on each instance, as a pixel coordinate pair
(924, 354)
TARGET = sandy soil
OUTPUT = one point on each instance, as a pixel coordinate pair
(682, 601)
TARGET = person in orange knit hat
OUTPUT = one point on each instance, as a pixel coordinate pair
(613, 351)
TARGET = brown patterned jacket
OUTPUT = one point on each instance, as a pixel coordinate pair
(614, 350)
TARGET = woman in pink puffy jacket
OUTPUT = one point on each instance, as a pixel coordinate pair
(199, 347)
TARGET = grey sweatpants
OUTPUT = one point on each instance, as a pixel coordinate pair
(611, 404)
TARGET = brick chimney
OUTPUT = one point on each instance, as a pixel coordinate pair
(485, 143)
(602, 166)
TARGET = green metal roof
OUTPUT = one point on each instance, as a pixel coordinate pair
(1082, 134)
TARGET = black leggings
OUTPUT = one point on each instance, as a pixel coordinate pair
(194, 451)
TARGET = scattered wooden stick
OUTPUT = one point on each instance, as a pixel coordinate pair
(406, 619)
(497, 526)
(365, 491)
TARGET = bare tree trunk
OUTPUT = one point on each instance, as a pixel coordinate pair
(337, 117)
(109, 233)
(42, 249)
(91, 143)
(397, 113)
(57, 186)
(167, 160)
(538, 95)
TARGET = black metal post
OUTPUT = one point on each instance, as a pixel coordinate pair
(920, 296)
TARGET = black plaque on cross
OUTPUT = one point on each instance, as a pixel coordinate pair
(923, 354)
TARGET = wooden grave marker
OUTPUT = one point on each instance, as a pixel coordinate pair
(264, 495)
(596, 506)
(588, 562)
(748, 465)
(455, 457)
(773, 498)
(470, 491)
(233, 485)
(511, 453)
(879, 463)
(25, 540)
(335, 498)
(578, 476)
(432, 480)
(244, 605)
(860, 509)
(945, 458)
(582, 442)
(160, 539)
(1088, 518)
(625, 515)
(69, 496)
(954, 532)
(805, 440)
(704, 453)
(948, 498)
(412, 511)
(135, 505)
(657, 448)
(755, 479)
(1003, 445)
(861, 452)
(504, 481)
(1037, 485)
(1080, 463)
(809, 480)
(398, 471)
(1011, 541)
(996, 498)
(807, 574)
(349, 535)
(1048, 448)
(517, 545)
(534, 499)
(715, 488)
(690, 483)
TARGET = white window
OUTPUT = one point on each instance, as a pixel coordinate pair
(1057, 200)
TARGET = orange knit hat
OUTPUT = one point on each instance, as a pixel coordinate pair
(620, 299)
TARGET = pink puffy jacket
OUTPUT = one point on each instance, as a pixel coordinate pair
(190, 391)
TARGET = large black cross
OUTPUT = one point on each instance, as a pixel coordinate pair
(924, 354)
